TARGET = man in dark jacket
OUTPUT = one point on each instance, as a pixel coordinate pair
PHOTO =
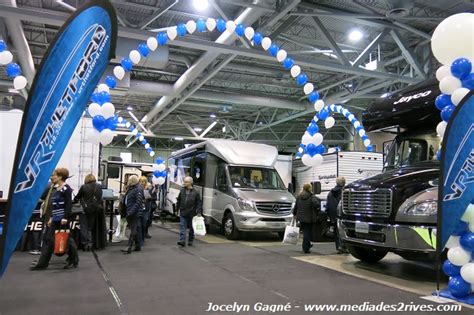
(189, 205)
(333, 199)
(134, 202)
(306, 211)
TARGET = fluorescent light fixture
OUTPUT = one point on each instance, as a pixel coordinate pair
(224, 129)
(178, 138)
(371, 65)
(260, 123)
(384, 95)
(197, 129)
(13, 91)
(129, 108)
(200, 5)
(345, 101)
(212, 115)
(355, 35)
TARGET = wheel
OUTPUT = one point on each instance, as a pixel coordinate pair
(367, 255)
(281, 235)
(230, 230)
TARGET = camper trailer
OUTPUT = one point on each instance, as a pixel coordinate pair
(239, 184)
(115, 174)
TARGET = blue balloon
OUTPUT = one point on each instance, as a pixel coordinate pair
(468, 81)
(149, 150)
(257, 38)
(3, 45)
(240, 30)
(320, 149)
(288, 63)
(143, 49)
(370, 148)
(311, 149)
(298, 154)
(451, 270)
(181, 29)
(201, 25)
(461, 228)
(159, 160)
(95, 97)
(126, 64)
(467, 242)
(313, 96)
(104, 97)
(111, 123)
(162, 38)
(302, 79)
(442, 101)
(144, 141)
(323, 114)
(353, 120)
(220, 25)
(312, 129)
(138, 135)
(447, 112)
(13, 70)
(364, 137)
(302, 146)
(98, 122)
(156, 173)
(111, 81)
(458, 287)
(438, 155)
(461, 67)
(273, 50)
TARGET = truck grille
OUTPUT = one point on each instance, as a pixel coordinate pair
(280, 208)
(376, 202)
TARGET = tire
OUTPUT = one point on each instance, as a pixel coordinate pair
(230, 230)
(281, 235)
(367, 255)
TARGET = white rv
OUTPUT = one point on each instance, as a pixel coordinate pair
(115, 174)
(241, 189)
(350, 164)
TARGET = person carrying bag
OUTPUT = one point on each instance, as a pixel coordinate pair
(292, 233)
(306, 211)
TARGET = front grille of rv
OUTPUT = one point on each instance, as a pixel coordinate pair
(375, 203)
(280, 208)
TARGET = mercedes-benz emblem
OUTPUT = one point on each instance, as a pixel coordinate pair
(276, 208)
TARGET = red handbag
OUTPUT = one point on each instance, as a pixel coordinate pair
(60, 242)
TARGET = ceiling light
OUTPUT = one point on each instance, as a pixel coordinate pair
(212, 115)
(260, 123)
(178, 138)
(197, 129)
(384, 95)
(200, 5)
(224, 129)
(355, 35)
(129, 108)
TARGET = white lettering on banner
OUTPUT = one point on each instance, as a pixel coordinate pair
(235, 307)
(464, 177)
(44, 152)
(407, 99)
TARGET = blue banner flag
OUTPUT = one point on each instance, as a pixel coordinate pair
(67, 76)
(456, 189)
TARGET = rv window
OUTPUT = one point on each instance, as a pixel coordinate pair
(221, 178)
(198, 169)
(255, 177)
(113, 171)
(407, 152)
(183, 169)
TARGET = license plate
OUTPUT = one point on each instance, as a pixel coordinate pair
(362, 227)
(277, 225)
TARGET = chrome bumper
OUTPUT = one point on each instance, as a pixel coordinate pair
(251, 221)
(393, 237)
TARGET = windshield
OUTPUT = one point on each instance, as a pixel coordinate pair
(255, 177)
(406, 152)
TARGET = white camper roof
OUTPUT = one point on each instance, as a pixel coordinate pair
(236, 152)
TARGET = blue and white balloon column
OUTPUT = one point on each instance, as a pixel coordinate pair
(159, 172)
(12, 69)
(103, 115)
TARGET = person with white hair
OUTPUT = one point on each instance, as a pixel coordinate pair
(189, 205)
(134, 202)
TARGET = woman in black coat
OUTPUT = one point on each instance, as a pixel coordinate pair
(134, 201)
(306, 212)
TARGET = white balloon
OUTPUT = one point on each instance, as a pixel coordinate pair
(442, 72)
(230, 26)
(458, 256)
(154, 180)
(107, 110)
(103, 88)
(249, 32)
(295, 71)
(316, 160)
(453, 241)
(135, 56)
(141, 138)
(467, 272)
(449, 84)
(329, 122)
(306, 159)
(318, 139)
(338, 108)
(127, 124)
(161, 167)
(306, 139)
(281, 55)
(454, 38)
(366, 142)
(152, 43)
(152, 153)
(266, 43)
(19, 82)
(190, 26)
(161, 180)
(332, 108)
(345, 111)
(308, 88)
(106, 136)
(155, 167)
(5, 57)
(468, 215)
(94, 136)
(315, 118)
(318, 105)
(350, 117)
(361, 132)
(119, 72)
(94, 109)
(300, 150)
(458, 95)
(120, 120)
(441, 128)
(356, 124)
(172, 32)
(147, 146)
(211, 24)
(134, 131)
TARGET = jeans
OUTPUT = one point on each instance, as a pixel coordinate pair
(48, 247)
(144, 222)
(134, 238)
(186, 222)
(87, 222)
(307, 233)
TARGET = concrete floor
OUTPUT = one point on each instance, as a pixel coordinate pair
(163, 279)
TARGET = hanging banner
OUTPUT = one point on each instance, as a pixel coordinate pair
(456, 189)
(66, 78)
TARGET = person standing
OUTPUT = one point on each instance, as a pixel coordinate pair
(333, 199)
(58, 216)
(134, 203)
(306, 211)
(90, 197)
(143, 181)
(150, 206)
(189, 205)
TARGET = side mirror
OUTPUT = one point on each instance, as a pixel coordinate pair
(316, 187)
(291, 188)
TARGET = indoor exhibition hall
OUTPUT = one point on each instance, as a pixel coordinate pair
(179, 157)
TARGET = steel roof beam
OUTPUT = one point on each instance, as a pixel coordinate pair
(408, 53)
(331, 42)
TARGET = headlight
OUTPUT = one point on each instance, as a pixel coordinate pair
(246, 205)
(424, 208)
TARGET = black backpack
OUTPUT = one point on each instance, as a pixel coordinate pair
(94, 205)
